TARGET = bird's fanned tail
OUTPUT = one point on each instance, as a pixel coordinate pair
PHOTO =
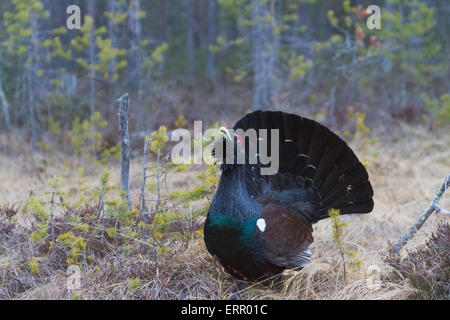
(317, 168)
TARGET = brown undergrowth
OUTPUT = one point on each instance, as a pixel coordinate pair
(174, 263)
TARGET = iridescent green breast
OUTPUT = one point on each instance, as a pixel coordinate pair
(234, 245)
(228, 237)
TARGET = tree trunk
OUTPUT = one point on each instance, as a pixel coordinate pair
(112, 35)
(138, 59)
(263, 52)
(112, 7)
(387, 62)
(31, 108)
(30, 82)
(212, 35)
(91, 12)
(162, 20)
(5, 105)
(190, 39)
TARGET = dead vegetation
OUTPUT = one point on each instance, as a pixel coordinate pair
(427, 268)
(404, 174)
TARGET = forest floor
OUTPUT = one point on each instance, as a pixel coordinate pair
(405, 174)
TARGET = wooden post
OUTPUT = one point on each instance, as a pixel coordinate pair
(124, 111)
(424, 216)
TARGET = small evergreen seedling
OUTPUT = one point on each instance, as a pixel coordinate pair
(346, 254)
(338, 226)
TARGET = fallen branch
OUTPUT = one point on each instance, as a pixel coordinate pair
(424, 216)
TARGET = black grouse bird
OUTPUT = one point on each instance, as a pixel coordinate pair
(259, 225)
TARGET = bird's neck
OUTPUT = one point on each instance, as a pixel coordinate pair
(232, 198)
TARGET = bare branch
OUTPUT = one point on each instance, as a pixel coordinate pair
(440, 210)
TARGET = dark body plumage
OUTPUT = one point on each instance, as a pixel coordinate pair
(257, 225)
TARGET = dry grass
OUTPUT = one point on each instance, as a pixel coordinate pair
(404, 174)
(427, 267)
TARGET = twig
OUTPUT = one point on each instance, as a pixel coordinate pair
(101, 206)
(52, 216)
(158, 182)
(424, 216)
(142, 196)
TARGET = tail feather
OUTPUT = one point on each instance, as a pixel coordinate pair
(327, 165)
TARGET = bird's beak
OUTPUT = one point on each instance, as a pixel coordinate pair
(226, 134)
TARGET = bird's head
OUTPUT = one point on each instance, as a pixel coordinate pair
(229, 148)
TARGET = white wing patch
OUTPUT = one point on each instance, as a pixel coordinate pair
(261, 224)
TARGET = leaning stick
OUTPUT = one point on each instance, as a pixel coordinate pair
(424, 216)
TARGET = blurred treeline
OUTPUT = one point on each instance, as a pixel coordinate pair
(207, 58)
